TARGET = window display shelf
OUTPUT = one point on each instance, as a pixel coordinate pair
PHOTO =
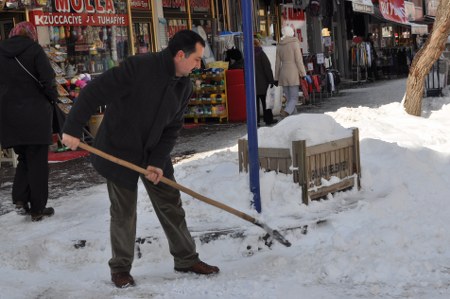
(209, 98)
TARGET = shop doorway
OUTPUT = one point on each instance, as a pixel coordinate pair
(5, 28)
(7, 22)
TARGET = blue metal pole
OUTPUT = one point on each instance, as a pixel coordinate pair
(250, 94)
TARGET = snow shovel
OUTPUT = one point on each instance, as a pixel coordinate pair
(272, 233)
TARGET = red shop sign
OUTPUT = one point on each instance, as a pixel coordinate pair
(293, 15)
(140, 4)
(85, 6)
(39, 18)
(393, 10)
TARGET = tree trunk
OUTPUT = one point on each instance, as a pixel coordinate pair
(425, 58)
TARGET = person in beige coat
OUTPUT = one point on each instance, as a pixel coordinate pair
(289, 68)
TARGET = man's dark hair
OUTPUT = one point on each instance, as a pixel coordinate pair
(185, 40)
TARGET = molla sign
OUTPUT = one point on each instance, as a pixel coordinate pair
(80, 13)
(80, 6)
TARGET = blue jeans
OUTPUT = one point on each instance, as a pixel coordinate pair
(291, 93)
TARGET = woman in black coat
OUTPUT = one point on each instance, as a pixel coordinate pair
(26, 114)
(263, 78)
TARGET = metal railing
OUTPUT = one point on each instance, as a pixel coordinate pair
(436, 78)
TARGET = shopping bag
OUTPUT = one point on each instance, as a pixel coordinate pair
(304, 88)
(270, 97)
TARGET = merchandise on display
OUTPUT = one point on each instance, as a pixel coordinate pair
(209, 99)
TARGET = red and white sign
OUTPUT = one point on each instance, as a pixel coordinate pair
(140, 4)
(293, 15)
(393, 10)
(85, 6)
(410, 11)
(39, 18)
(200, 5)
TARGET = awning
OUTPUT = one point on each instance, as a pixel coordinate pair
(419, 29)
(364, 6)
(377, 14)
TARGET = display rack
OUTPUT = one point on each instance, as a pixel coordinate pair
(209, 99)
(66, 86)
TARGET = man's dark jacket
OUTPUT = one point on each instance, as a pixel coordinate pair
(145, 105)
(25, 110)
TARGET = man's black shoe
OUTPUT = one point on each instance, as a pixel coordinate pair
(22, 208)
(46, 212)
(274, 121)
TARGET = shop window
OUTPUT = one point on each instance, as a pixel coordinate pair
(142, 37)
(93, 35)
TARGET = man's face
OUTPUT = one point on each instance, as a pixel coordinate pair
(184, 65)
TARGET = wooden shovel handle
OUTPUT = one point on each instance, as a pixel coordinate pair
(169, 182)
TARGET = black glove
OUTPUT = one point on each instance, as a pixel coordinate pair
(271, 85)
(275, 83)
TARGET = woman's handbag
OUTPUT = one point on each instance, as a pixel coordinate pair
(59, 116)
(26, 70)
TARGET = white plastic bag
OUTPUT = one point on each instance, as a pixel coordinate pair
(270, 97)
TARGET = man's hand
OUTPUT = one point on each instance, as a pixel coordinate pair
(154, 174)
(70, 141)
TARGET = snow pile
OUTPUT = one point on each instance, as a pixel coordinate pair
(314, 128)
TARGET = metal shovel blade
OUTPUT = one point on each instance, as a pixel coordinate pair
(276, 235)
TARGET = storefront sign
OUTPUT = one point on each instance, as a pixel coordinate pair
(410, 11)
(432, 6)
(320, 58)
(393, 10)
(140, 4)
(365, 6)
(419, 29)
(174, 4)
(293, 15)
(419, 13)
(85, 6)
(39, 18)
(200, 5)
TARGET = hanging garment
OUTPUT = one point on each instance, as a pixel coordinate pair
(369, 54)
(308, 79)
(332, 87)
(316, 82)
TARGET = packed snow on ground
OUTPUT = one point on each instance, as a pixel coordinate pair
(388, 240)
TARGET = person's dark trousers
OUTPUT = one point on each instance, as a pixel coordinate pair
(267, 113)
(31, 178)
(166, 202)
(261, 98)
